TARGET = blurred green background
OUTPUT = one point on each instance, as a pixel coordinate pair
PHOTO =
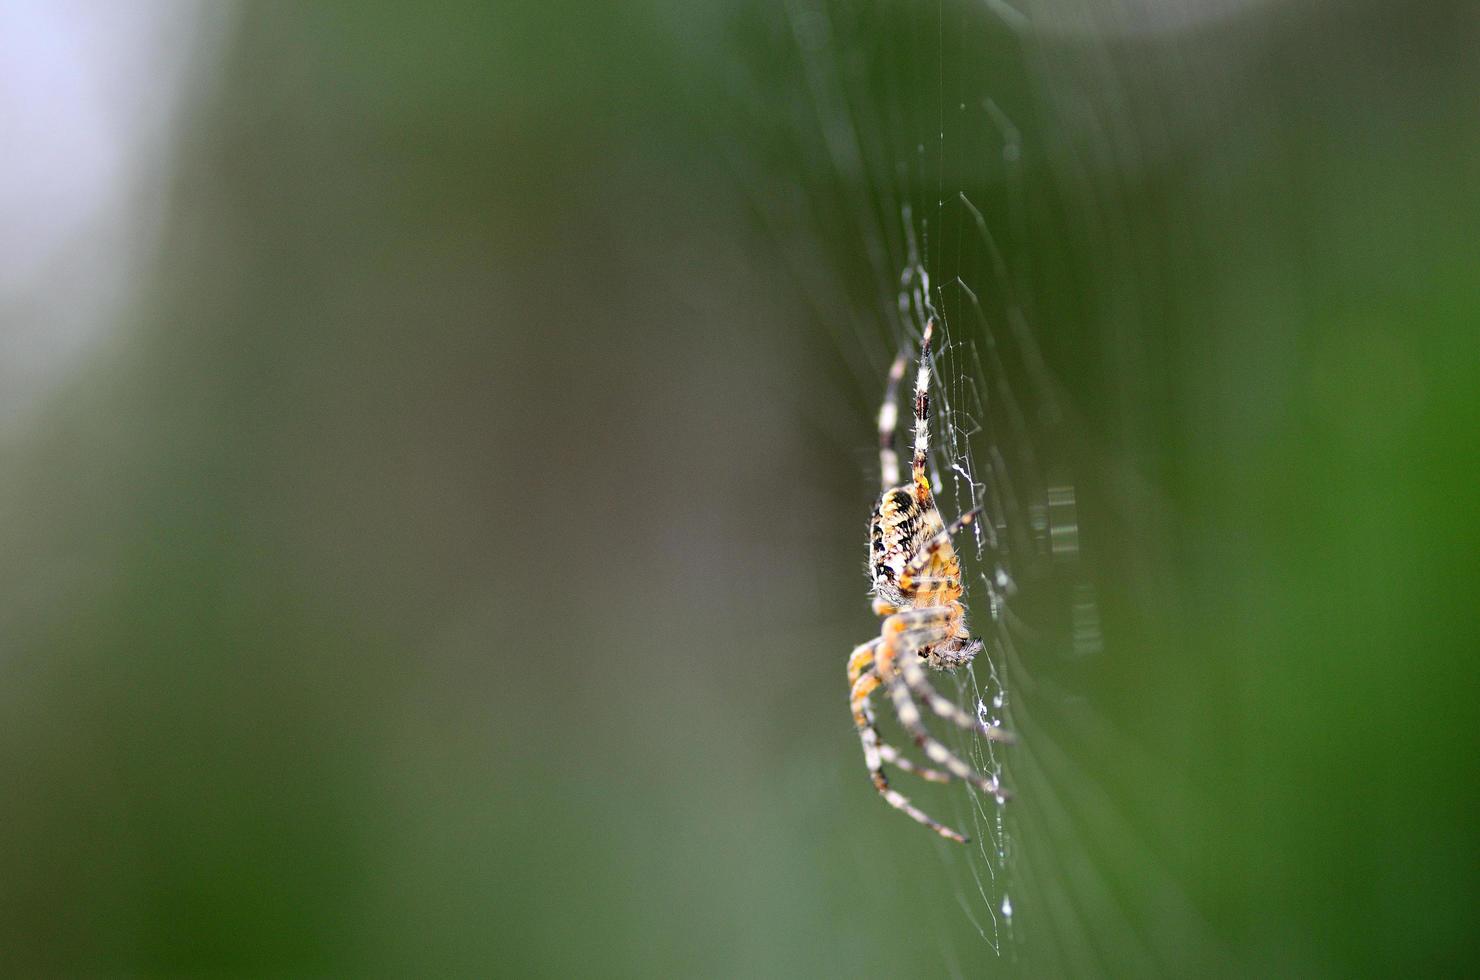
(433, 490)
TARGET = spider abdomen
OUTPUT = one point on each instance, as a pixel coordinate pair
(902, 531)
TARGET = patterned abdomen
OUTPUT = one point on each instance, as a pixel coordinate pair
(900, 532)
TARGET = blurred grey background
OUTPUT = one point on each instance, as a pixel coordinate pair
(435, 453)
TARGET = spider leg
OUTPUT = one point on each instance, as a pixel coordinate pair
(922, 417)
(874, 747)
(874, 751)
(898, 760)
(914, 675)
(944, 707)
(919, 684)
(901, 802)
(904, 634)
(860, 660)
(888, 420)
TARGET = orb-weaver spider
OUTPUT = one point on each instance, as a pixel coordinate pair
(917, 589)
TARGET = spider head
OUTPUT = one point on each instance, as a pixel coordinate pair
(952, 653)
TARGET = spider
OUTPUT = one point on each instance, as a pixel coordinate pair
(917, 589)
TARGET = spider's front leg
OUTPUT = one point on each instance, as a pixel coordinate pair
(917, 680)
(898, 664)
(919, 684)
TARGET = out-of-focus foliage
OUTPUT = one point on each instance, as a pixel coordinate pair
(446, 562)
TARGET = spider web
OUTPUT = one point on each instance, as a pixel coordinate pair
(911, 202)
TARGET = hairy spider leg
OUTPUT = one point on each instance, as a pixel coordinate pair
(863, 715)
(864, 677)
(922, 418)
(888, 420)
(874, 752)
(899, 761)
(919, 684)
(865, 680)
(897, 662)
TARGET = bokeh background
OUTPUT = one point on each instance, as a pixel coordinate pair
(435, 448)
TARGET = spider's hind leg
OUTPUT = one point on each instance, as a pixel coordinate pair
(875, 749)
(876, 752)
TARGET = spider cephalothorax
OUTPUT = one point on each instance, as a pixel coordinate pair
(917, 589)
